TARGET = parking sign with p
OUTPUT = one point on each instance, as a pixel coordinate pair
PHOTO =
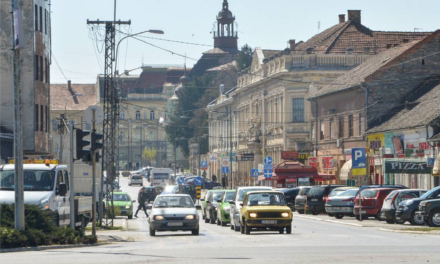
(359, 161)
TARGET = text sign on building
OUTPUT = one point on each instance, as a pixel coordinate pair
(247, 157)
(409, 167)
(313, 161)
(289, 155)
(204, 165)
(359, 161)
(328, 162)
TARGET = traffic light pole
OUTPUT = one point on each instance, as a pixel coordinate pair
(93, 179)
(72, 180)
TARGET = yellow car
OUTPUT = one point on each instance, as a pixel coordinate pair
(265, 210)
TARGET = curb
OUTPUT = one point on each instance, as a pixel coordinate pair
(409, 232)
(21, 249)
(328, 221)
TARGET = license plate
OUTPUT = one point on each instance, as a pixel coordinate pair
(314, 200)
(363, 212)
(336, 208)
(269, 222)
(175, 224)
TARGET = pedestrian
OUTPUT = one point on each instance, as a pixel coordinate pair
(142, 198)
(224, 181)
(214, 178)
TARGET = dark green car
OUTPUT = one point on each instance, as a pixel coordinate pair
(223, 213)
(123, 205)
(209, 205)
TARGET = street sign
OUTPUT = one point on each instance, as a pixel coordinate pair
(198, 192)
(213, 157)
(232, 156)
(247, 157)
(260, 168)
(359, 161)
(430, 162)
(268, 173)
(268, 160)
(313, 161)
(268, 167)
(255, 173)
(180, 180)
(225, 162)
(204, 165)
(88, 115)
(198, 181)
(225, 169)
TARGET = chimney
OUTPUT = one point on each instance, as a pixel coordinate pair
(292, 44)
(354, 15)
(366, 50)
(69, 87)
(349, 51)
(341, 18)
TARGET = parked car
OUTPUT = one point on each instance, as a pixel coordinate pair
(152, 192)
(430, 211)
(235, 204)
(317, 197)
(265, 210)
(122, 204)
(136, 180)
(186, 189)
(301, 199)
(290, 195)
(370, 203)
(342, 204)
(223, 212)
(406, 211)
(392, 201)
(207, 184)
(209, 205)
(172, 212)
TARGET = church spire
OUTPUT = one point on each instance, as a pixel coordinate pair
(226, 36)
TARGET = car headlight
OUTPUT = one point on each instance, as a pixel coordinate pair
(190, 217)
(408, 202)
(226, 209)
(285, 214)
(45, 204)
(158, 217)
(252, 215)
(127, 207)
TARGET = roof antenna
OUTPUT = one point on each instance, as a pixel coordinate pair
(319, 26)
(142, 59)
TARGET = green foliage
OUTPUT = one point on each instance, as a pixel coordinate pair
(40, 229)
(244, 58)
(149, 154)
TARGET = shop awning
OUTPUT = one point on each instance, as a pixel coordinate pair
(324, 177)
(436, 168)
(290, 175)
(345, 173)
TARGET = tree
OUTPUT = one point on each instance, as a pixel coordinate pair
(244, 58)
(149, 154)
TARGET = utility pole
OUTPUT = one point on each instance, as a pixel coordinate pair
(72, 180)
(61, 132)
(18, 139)
(111, 102)
(230, 142)
(94, 179)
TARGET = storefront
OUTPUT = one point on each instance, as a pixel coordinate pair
(289, 174)
(413, 173)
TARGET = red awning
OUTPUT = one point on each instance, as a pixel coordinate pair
(324, 177)
(287, 175)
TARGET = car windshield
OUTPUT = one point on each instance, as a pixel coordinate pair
(34, 180)
(351, 192)
(242, 192)
(171, 190)
(120, 197)
(369, 193)
(217, 195)
(173, 201)
(304, 191)
(316, 191)
(429, 193)
(256, 199)
(229, 196)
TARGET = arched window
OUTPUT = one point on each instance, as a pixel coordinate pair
(138, 115)
(151, 115)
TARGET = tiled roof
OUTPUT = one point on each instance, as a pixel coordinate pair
(358, 74)
(59, 94)
(435, 137)
(351, 34)
(270, 53)
(221, 51)
(227, 66)
(419, 113)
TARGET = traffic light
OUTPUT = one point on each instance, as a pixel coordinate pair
(81, 153)
(95, 137)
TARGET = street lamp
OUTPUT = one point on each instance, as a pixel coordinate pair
(65, 105)
(62, 119)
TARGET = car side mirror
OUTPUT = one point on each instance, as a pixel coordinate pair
(133, 201)
(289, 204)
(62, 189)
(232, 202)
(208, 202)
(219, 200)
(241, 204)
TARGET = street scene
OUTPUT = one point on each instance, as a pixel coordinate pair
(182, 132)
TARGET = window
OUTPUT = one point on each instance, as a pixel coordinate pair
(122, 115)
(36, 117)
(41, 19)
(66, 179)
(361, 125)
(36, 18)
(145, 115)
(331, 128)
(138, 115)
(54, 125)
(47, 119)
(151, 115)
(36, 70)
(48, 71)
(41, 68)
(350, 126)
(45, 21)
(341, 127)
(41, 118)
(45, 72)
(298, 110)
(321, 130)
(88, 127)
(313, 130)
(59, 180)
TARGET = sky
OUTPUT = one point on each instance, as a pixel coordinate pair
(77, 48)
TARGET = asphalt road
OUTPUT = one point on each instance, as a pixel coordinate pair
(310, 242)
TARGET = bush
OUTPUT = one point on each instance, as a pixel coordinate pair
(40, 229)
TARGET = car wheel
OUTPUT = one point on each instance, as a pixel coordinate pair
(195, 232)
(390, 221)
(232, 227)
(203, 216)
(289, 229)
(242, 228)
(434, 218)
(281, 230)
(416, 219)
(222, 223)
(206, 220)
(247, 229)
(300, 212)
(130, 216)
(399, 221)
(211, 219)
(236, 228)
(219, 222)
(338, 216)
(152, 232)
(315, 213)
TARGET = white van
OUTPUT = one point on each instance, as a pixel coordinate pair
(160, 177)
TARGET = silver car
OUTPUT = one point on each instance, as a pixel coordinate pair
(341, 204)
(172, 212)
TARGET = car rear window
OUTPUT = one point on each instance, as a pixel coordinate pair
(136, 177)
(350, 192)
(391, 195)
(369, 193)
(316, 191)
(304, 191)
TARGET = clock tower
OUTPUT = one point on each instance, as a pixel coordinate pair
(225, 36)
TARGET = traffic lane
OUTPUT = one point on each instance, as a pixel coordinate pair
(311, 241)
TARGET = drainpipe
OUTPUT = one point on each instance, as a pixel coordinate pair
(367, 94)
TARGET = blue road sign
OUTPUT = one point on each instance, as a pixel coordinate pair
(180, 180)
(225, 169)
(268, 167)
(359, 158)
(430, 162)
(268, 160)
(198, 181)
(268, 173)
(204, 164)
(255, 173)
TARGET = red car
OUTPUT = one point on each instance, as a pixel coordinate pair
(372, 201)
